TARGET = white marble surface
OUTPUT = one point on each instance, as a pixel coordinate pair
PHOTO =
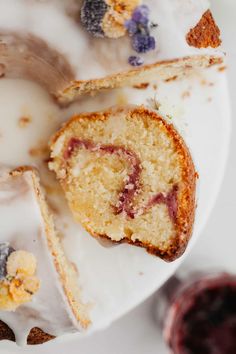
(138, 331)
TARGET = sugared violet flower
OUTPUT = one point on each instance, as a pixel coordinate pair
(92, 14)
(138, 28)
(141, 15)
(143, 43)
(131, 26)
(135, 60)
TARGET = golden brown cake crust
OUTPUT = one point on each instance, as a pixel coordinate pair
(205, 34)
(36, 335)
(161, 70)
(187, 204)
(6, 333)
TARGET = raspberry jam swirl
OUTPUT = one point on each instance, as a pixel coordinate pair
(132, 184)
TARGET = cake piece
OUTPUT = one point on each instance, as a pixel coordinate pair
(77, 47)
(128, 177)
(39, 293)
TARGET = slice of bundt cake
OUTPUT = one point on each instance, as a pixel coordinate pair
(39, 293)
(128, 177)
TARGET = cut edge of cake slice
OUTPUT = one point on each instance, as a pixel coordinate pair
(64, 145)
(65, 272)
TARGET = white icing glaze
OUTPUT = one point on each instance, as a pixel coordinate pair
(22, 226)
(95, 57)
(20, 98)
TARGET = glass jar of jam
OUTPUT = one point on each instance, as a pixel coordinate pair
(201, 315)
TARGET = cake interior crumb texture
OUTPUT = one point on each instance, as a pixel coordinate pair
(93, 181)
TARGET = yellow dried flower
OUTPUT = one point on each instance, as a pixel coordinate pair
(21, 262)
(118, 13)
(20, 283)
(22, 289)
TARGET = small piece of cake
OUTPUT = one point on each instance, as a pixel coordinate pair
(128, 177)
(39, 293)
(76, 47)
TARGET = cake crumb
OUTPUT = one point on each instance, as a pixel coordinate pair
(185, 94)
(2, 70)
(172, 78)
(207, 83)
(141, 86)
(141, 273)
(75, 267)
(205, 34)
(39, 151)
(222, 68)
(209, 99)
(24, 121)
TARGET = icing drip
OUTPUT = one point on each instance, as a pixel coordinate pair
(132, 184)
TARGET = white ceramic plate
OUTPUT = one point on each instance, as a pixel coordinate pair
(117, 279)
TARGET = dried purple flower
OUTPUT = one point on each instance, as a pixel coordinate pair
(143, 43)
(135, 60)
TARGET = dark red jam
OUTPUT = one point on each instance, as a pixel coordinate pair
(202, 318)
(170, 200)
(132, 184)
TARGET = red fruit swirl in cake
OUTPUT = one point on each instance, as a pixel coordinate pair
(132, 183)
